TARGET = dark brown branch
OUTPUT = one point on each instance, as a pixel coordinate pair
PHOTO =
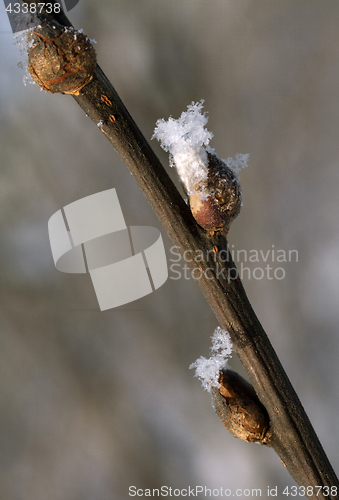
(292, 435)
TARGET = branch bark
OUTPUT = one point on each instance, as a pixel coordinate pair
(292, 435)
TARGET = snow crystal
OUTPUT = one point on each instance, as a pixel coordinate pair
(23, 41)
(207, 370)
(221, 341)
(186, 132)
(187, 142)
(238, 163)
(184, 139)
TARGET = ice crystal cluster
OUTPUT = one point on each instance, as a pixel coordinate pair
(187, 141)
(207, 370)
(21, 42)
(184, 139)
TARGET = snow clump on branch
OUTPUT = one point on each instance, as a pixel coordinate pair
(207, 370)
(184, 139)
(211, 183)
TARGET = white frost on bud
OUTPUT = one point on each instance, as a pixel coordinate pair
(184, 139)
(238, 163)
(207, 370)
(23, 42)
(187, 141)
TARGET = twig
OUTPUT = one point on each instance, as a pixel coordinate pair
(292, 435)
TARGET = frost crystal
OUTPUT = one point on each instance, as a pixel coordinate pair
(207, 370)
(184, 139)
(187, 141)
(23, 42)
(238, 163)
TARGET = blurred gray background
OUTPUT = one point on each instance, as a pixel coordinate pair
(93, 402)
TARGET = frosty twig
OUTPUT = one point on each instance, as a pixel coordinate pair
(293, 436)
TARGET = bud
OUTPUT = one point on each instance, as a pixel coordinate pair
(60, 59)
(239, 408)
(212, 184)
(216, 200)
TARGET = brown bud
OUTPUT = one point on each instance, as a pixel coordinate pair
(206, 210)
(239, 408)
(215, 202)
(60, 59)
